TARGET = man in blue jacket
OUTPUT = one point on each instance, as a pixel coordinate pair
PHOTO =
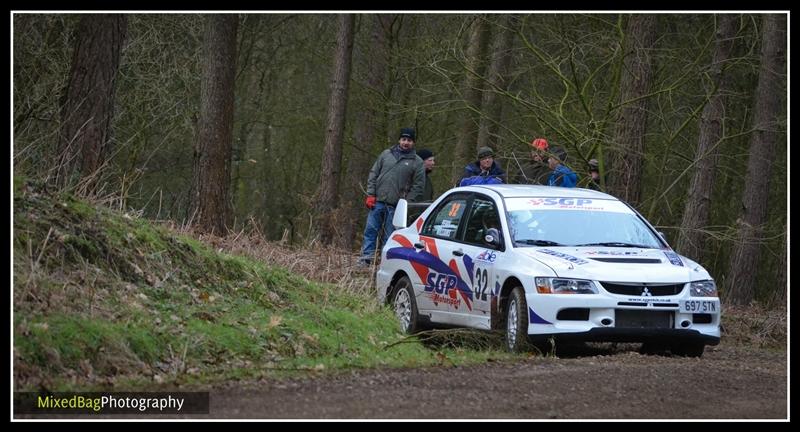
(483, 171)
(561, 175)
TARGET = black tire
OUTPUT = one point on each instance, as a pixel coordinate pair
(653, 348)
(405, 306)
(688, 349)
(517, 321)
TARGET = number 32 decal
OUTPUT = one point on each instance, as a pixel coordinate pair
(481, 284)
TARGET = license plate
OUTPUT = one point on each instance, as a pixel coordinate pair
(633, 318)
(699, 306)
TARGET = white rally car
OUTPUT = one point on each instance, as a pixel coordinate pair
(546, 263)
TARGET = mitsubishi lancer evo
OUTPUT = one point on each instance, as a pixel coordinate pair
(544, 263)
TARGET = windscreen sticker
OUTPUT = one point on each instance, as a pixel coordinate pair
(564, 203)
(673, 258)
(446, 229)
(443, 231)
(570, 258)
(555, 203)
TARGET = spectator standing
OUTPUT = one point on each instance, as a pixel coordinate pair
(428, 161)
(594, 173)
(397, 173)
(561, 174)
(535, 169)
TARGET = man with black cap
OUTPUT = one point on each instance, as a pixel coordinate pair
(398, 173)
(483, 171)
(428, 161)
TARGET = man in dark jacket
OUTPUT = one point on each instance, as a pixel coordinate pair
(398, 173)
(535, 170)
(428, 161)
(483, 171)
(594, 173)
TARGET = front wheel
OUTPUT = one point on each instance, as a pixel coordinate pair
(517, 321)
(653, 348)
(405, 306)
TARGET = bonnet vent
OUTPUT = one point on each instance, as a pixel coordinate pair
(629, 260)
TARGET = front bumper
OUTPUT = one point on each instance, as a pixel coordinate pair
(605, 317)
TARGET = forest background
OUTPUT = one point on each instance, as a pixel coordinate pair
(270, 122)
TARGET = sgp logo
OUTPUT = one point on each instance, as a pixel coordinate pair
(440, 283)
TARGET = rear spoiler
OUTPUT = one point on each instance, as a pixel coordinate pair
(407, 212)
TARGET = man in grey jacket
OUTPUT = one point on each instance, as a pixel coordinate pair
(398, 173)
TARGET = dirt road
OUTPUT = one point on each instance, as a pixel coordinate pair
(592, 383)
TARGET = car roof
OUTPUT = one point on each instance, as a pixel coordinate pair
(521, 190)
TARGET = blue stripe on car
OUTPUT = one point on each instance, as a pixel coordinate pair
(428, 260)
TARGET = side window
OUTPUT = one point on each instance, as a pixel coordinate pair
(445, 221)
(482, 216)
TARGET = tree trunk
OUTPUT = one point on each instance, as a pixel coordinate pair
(492, 109)
(779, 296)
(360, 160)
(635, 81)
(211, 206)
(740, 281)
(698, 205)
(328, 192)
(466, 145)
(89, 101)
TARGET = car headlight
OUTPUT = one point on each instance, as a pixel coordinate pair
(546, 285)
(706, 288)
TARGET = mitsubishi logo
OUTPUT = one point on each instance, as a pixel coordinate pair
(646, 293)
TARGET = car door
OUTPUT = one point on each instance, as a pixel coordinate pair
(480, 256)
(443, 291)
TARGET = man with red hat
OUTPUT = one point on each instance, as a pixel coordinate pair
(535, 170)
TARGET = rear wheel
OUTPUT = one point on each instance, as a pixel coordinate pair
(405, 306)
(517, 321)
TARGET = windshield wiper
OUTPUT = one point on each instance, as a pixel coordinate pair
(539, 242)
(617, 244)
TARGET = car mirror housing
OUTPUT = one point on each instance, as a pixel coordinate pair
(399, 220)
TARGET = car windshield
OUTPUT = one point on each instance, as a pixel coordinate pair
(576, 222)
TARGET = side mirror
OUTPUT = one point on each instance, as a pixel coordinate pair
(493, 237)
(663, 236)
(399, 220)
